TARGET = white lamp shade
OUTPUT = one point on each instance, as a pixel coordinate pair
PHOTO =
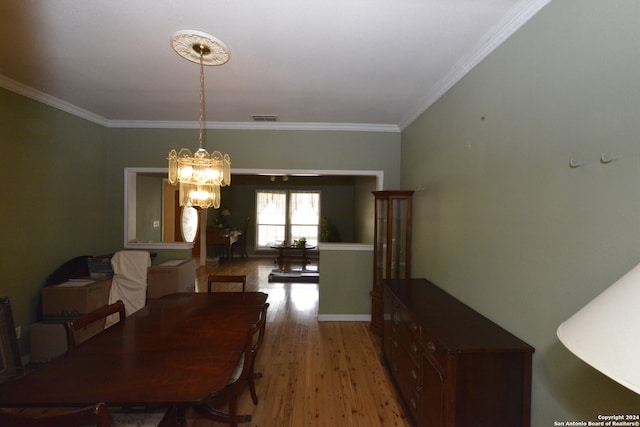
(606, 332)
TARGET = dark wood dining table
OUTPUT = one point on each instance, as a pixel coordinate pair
(173, 352)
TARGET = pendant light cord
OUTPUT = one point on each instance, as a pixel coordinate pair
(201, 124)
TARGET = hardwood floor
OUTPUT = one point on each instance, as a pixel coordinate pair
(315, 373)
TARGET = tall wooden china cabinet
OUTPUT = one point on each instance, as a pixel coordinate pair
(391, 246)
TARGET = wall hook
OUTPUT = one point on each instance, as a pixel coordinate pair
(573, 163)
(608, 158)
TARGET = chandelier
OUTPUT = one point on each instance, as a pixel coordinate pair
(199, 175)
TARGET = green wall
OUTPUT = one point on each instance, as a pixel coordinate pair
(250, 149)
(504, 223)
(345, 285)
(149, 207)
(53, 174)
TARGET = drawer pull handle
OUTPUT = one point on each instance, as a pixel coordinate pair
(414, 327)
(431, 346)
(414, 348)
(414, 404)
(419, 389)
(414, 375)
(395, 344)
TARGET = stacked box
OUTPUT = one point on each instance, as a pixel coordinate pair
(48, 341)
(170, 277)
(69, 300)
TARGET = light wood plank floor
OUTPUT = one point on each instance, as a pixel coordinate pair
(315, 373)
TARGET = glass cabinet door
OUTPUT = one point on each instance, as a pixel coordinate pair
(381, 238)
(392, 240)
(398, 239)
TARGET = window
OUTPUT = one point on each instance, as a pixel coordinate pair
(285, 216)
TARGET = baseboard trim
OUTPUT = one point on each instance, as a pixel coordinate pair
(344, 318)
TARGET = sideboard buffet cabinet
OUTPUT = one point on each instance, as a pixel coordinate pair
(391, 246)
(452, 366)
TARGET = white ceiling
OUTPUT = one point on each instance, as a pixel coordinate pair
(343, 64)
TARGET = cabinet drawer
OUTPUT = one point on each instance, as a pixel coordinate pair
(435, 350)
(409, 343)
(404, 321)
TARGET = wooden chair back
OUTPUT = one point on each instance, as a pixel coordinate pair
(96, 415)
(242, 240)
(10, 358)
(257, 343)
(261, 325)
(255, 337)
(81, 329)
(216, 278)
(243, 375)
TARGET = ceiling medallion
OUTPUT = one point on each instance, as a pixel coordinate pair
(190, 43)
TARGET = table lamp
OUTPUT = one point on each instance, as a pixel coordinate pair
(605, 333)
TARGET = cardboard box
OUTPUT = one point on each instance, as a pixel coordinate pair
(48, 341)
(170, 277)
(70, 300)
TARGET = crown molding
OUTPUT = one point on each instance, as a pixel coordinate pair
(355, 127)
(49, 100)
(509, 26)
(59, 104)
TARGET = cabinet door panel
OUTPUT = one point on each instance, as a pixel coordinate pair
(387, 323)
(398, 239)
(432, 399)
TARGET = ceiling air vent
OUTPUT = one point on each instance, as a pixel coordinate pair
(264, 118)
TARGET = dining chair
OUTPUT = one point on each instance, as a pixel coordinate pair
(241, 244)
(254, 353)
(216, 278)
(45, 417)
(242, 374)
(129, 282)
(121, 416)
(85, 327)
(95, 415)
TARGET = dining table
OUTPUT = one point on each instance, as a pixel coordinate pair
(289, 253)
(175, 351)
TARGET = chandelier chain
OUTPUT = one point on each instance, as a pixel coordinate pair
(201, 122)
